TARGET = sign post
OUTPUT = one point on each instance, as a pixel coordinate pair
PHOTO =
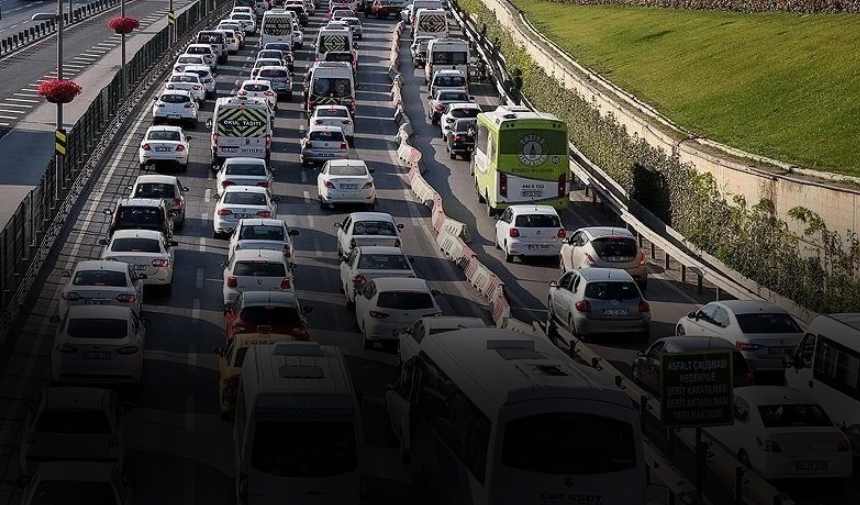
(696, 392)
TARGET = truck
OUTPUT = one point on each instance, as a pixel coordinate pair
(240, 127)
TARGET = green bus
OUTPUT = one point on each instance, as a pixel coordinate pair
(520, 157)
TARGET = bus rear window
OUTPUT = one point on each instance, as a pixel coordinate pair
(569, 443)
(553, 142)
(304, 449)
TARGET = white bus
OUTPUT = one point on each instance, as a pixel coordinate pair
(826, 366)
(497, 418)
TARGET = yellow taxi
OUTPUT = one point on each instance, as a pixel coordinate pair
(230, 365)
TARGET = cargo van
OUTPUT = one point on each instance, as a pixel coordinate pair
(408, 14)
(240, 127)
(447, 53)
(330, 82)
(298, 435)
(333, 39)
(277, 27)
(826, 366)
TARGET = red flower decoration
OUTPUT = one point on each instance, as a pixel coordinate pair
(123, 25)
(57, 91)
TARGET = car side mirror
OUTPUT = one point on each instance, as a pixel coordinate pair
(23, 481)
(216, 196)
(129, 188)
(399, 226)
(293, 233)
(127, 407)
(553, 284)
(371, 170)
(66, 273)
(498, 217)
(54, 319)
(188, 137)
(292, 265)
(693, 315)
(338, 225)
(103, 241)
(209, 123)
(307, 310)
(790, 361)
(471, 98)
(173, 243)
(185, 190)
(640, 354)
(276, 198)
(222, 264)
(145, 321)
(411, 259)
(218, 350)
(107, 212)
(435, 292)
(388, 386)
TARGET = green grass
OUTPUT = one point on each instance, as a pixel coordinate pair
(778, 85)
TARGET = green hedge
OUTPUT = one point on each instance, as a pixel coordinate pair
(751, 239)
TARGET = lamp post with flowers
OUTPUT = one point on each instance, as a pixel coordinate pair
(123, 26)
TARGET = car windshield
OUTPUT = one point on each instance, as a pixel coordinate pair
(89, 421)
(614, 247)
(326, 136)
(200, 50)
(384, 262)
(453, 97)
(270, 315)
(241, 198)
(305, 449)
(256, 87)
(262, 232)
(374, 228)
(174, 98)
(612, 291)
(786, 416)
(537, 221)
(271, 53)
(136, 217)
(274, 73)
(767, 323)
(61, 492)
(144, 245)
(211, 38)
(405, 300)
(155, 190)
(259, 269)
(245, 169)
(340, 113)
(170, 135)
(348, 170)
(100, 278)
(97, 328)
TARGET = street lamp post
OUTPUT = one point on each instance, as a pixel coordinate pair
(122, 67)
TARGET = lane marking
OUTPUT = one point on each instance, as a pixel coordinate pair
(22, 100)
(199, 283)
(207, 195)
(24, 105)
(304, 177)
(13, 111)
(192, 358)
(307, 195)
(8, 117)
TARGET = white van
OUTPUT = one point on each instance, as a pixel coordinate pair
(333, 39)
(298, 436)
(330, 82)
(276, 27)
(408, 14)
(430, 23)
(826, 366)
(447, 53)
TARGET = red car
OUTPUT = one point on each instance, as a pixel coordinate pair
(267, 312)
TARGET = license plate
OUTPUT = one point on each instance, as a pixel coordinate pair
(162, 149)
(242, 216)
(229, 149)
(265, 330)
(173, 116)
(96, 302)
(779, 350)
(812, 465)
(96, 355)
(532, 194)
(138, 267)
(349, 186)
(533, 247)
(468, 149)
(615, 312)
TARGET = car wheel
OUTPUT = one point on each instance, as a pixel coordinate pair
(180, 224)
(679, 331)
(216, 235)
(143, 166)
(389, 345)
(167, 289)
(322, 204)
(452, 155)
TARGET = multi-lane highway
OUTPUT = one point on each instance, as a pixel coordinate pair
(16, 13)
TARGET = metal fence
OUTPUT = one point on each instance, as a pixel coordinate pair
(22, 241)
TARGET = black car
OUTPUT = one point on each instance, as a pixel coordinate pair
(461, 139)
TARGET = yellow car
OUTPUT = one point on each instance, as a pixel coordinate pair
(230, 365)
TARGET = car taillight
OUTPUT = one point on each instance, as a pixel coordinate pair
(268, 141)
(359, 280)
(264, 184)
(232, 282)
(438, 106)
(368, 185)
(344, 145)
(449, 120)
(300, 332)
(269, 93)
(352, 244)
(642, 260)
(241, 92)
(459, 138)
(319, 121)
(583, 306)
(309, 144)
(177, 69)
(747, 346)
(561, 233)
(346, 121)
(562, 185)
(503, 185)
(146, 147)
(170, 86)
(231, 382)
(264, 213)
(227, 183)
(329, 184)
(767, 445)
(225, 212)
(161, 263)
(126, 298)
(189, 105)
(435, 314)
(287, 250)
(749, 378)
(67, 349)
(378, 315)
(844, 445)
(197, 88)
(180, 148)
(112, 440)
(286, 283)
(215, 137)
(644, 307)
(352, 103)
(513, 233)
(397, 243)
(243, 488)
(589, 260)
(71, 296)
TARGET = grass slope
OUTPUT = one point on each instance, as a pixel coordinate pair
(779, 85)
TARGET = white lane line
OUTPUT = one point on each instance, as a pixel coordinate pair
(317, 248)
(307, 195)
(207, 195)
(73, 65)
(26, 92)
(5, 124)
(199, 283)
(195, 311)
(311, 223)
(105, 44)
(22, 100)
(7, 117)
(22, 105)
(304, 177)
(201, 246)
(13, 111)
(192, 358)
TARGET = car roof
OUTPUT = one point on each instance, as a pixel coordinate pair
(158, 179)
(380, 249)
(183, 92)
(245, 189)
(113, 266)
(195, 67)
(79, 471)
(201, 45)
(371, 216)
(264, 67)
(282, 298)
(165, 128)
(752, 307)
(446, 71)
(453, 322)
(330, 106)
(244, 159)
(190, 55)
(322, 127)
(141, 202)
(147, 234)
(464, 105)
(770, 395)
(99, 312)
(257, 81)
(74, 397)
(606, 231)
(604, 274)
(347, 163)
(527, 208)
(260, 221)
(260, 254)
(398, 283)
(694, 342)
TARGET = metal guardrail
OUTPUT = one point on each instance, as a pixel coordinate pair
(30, 234)
(44, 29)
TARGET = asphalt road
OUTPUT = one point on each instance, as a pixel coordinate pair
(17, 13)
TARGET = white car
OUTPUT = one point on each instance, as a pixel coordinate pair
(237, 29)
(242, 171)
(367, 263)
(271, 234)
(334, 115)
(164, 145)
(146, 251)
(346, 182)
(242, 202)
(248, 21)
(412, 337)
(762, 331)
(57, 477)
(361, 229)
(529, 230)
(246, 10)
(323, 143)
(189, 82)
(389, 304)
(266, 62)
(455, 111)
(97, 282)
(166, 187)
(256, 270)
(231, 39)
(184, 60)
(176, 105)
(206, 51)
(98, 345)
(782, 433)
(206, 77)
(258, 89)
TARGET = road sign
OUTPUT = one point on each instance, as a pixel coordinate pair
(171, 18)
(60, 139)
(696, 389)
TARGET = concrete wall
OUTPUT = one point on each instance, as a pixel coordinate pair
(838, 207)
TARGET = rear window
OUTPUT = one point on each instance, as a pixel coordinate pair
(326, 86)
(347, 171)
(97, 328)
(166, 134)
(256, 87)
(445, 81)
(173, 98)
(276, 55)
(464, 126)
(155, 190)
(568, 443)
(304, 449)
(270, 315)
(211, 38)
(276, 74)
(100, 278)
(453, 97)
(612, 291)
(143, 245)
(537, 221)
(374, 228)
(185, 78)
(238, 198)
(190, 59)
(384, 262)
(405, 300)
(327, 136)
(259, 269)
(767, 323)
(333, 113)
(333, 56)
(461, 113)
(279, 46)
(201, 73)
(63, 492)
(262, 232)
(138, 217)
(199, 50)
(245, 169)
(90, 422)
(786, 416)
(613, 247)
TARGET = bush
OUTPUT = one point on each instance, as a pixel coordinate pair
(799, 6)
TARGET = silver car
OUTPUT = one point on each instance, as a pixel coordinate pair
(322, 143)
(167, 188)
(280, 78)
(355, 26)
(595, 301)
(605, 247)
